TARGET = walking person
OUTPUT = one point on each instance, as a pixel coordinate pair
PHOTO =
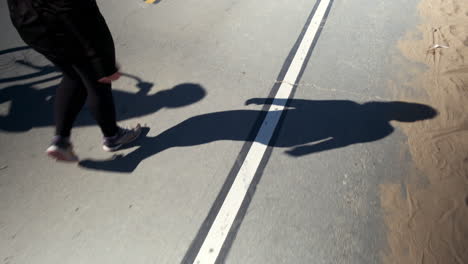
(74, 36)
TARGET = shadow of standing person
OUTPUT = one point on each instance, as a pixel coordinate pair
(310, 126)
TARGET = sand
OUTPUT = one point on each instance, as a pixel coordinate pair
(427, 214)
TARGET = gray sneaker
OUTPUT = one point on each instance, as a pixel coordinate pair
(123, 137)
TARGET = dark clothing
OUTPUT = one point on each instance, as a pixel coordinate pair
(74, 36)
(66, 31)
(75, 87)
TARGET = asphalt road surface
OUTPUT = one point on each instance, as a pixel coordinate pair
(223, 173)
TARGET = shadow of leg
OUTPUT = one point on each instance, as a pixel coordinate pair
(128, 163)
(118, 163)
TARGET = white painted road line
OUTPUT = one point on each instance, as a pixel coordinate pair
(219, 230)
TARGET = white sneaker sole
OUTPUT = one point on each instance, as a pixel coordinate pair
(106, 148)
(60, 155)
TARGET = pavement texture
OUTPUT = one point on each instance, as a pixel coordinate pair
(197, 74)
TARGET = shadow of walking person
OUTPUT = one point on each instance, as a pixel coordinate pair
(29, 107)
(310, 126)
(33, 107)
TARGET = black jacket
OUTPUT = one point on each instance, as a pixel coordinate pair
(66, 31)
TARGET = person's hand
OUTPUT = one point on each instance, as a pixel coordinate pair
(111, 78)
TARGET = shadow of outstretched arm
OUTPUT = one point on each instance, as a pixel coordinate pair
(41, 71)
(265, 101)
(324, 145)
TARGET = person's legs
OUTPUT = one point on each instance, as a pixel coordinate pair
(77, 85)
(101, 104)
(69, 100)
(100, 101)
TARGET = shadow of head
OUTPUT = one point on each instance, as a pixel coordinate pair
(401, 111)
(182, 95)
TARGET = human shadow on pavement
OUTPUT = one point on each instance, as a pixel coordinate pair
(33, 107)
(310, 126)
(41, 71)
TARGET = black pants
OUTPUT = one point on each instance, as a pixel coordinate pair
(76, 86)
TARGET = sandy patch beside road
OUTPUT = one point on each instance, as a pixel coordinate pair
(427, 216)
